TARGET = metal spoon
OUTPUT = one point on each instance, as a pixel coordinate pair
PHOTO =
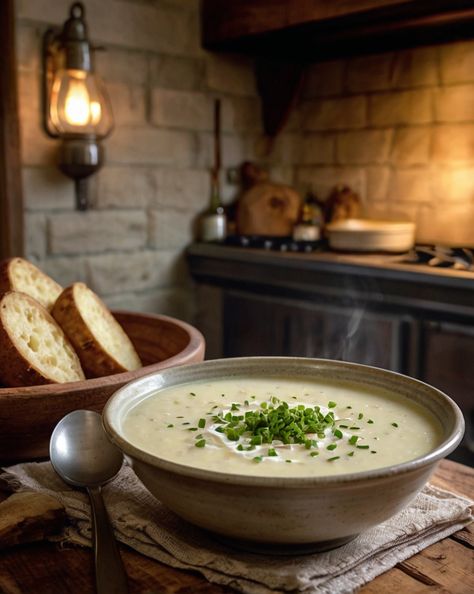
(83, 456)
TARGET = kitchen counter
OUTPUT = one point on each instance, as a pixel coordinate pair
(379, 277)
(45, 568)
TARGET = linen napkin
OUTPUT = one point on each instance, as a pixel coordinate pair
(143, 523)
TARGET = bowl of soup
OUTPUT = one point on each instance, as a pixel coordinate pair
(279, 453)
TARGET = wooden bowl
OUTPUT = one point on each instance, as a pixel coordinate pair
(29, 415)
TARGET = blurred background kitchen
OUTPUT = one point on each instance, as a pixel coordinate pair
(361, 109)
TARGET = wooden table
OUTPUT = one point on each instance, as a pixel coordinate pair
(446, 567)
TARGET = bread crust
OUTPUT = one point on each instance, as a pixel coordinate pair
(96, 361)
(15, 369)
(8, 282)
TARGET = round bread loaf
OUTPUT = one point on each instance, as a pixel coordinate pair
(33, 348)
(100, 342)
(17, 274)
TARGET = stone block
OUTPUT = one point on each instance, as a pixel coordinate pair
(378, 184)
(28, 46)
(241, 114)
(454, 104)
(453, 142)
(66, 270)
(170, 229)
(120, 273)
(176, 72)
(324, 79)
(411, 146)
(137, 25)
(365, 146)
(181, 109)
(410, 185)
(187, 190)
(122, 66)
(230, 74)
(369, 73)
(318, 149)
(282, 174)
(124, 187)
(234, 149)
(446, 223)
(174, 302)
(97, 231)
(145, 145)
(453, 185)
(415, 68)
(46, 188)
(286, 150)
(323, 180)
(457, 62)
(35, 235)
(128, 103)
(334, 114)
(404, 107)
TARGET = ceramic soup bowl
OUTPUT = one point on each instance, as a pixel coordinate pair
(285, 513)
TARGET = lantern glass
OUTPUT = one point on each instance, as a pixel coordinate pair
(79, 104)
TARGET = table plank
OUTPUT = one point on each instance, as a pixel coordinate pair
(44, 568)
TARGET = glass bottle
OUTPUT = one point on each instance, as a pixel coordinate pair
(308, 227)
(214, 221)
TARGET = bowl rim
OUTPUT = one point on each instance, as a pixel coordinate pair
(429, 459)
(196, 343)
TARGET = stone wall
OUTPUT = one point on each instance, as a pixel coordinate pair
(129, 245)
(399, 129)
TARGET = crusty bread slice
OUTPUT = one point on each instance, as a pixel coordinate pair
(33, 348)
(99, 340)
(17, 274)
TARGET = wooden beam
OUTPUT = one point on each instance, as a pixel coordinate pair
(11, 198)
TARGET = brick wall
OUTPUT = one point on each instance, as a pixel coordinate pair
(398, 128)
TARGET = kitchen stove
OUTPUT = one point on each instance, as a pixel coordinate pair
(456, 258)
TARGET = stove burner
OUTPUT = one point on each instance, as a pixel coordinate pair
(280, 244)
(457, 258)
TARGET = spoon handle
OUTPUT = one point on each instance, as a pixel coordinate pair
(110, 576)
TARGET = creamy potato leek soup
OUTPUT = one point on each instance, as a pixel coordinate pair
(281, 427)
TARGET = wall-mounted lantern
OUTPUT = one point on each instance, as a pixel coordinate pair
(76, 108)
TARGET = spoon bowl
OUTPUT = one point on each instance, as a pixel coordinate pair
(83, 456)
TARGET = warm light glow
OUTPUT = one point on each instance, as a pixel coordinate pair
(77, 109)
(96, 112)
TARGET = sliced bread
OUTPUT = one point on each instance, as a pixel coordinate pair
(101, 343)
(33, 348)
(17, 274)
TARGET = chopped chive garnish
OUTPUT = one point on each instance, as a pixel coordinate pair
(344, 426)
(288, 461)
(192, 394)
(240, 447)
(354, 428)
(360, 416)
(201, 443)
(192, 428)
(351, 453)
(201, 423)
(257, 459)
(331, 404)
(353, 439)
(170, 425)
(234, 406)
(333, 458)
(247, 403)
(394, 424)
(313, 454)
(363, 447)
(337, 433)
(185, 423)
(331, 446)
(373, 451)
(180, 417)
(272, 452)
(348, 406)
(370, 422)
